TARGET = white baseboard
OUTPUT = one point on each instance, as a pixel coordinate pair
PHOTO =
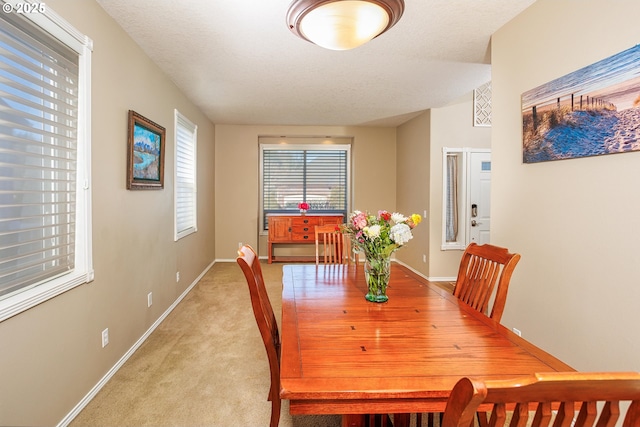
(431, 279)
(92, 393)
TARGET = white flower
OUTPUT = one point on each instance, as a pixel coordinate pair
(400, 233)
(372, 231)
(398, 218)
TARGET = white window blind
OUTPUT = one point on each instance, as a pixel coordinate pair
(318, 175)
(44, 202)
(185, 180)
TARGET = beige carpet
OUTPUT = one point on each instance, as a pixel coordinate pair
(205, 365)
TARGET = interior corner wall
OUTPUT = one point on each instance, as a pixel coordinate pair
(51, 355)
(413, 187)
(575, 291)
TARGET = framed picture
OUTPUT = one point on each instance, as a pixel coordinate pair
(590, 112)
(145, 155)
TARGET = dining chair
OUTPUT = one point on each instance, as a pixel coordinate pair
(481, 267)
(332, 246)
(250, 265)
(557, 395)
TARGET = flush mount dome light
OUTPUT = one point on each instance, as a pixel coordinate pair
(342, 24)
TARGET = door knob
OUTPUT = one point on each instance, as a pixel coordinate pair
(475, 223)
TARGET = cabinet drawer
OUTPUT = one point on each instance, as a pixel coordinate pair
(303, 237)
(303, 229)
(305, 222)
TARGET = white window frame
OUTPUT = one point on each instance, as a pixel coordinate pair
(185, 174)
(82, 272)
(461, 241)
(267, 146)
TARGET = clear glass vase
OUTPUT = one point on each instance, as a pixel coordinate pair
(377, 270)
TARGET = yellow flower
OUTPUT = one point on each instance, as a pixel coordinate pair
(416, 219)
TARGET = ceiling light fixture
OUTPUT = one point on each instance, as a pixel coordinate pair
(342, 24)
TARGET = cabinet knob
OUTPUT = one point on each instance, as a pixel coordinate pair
(306, 221)
(306, 229)
(306, 237)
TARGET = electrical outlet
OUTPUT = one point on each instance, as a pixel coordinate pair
(149, 299)
(105, 337)
(424, 258)
(239, 245)
(177, 276)
(517, 332)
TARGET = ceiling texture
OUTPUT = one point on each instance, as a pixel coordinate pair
(239, 63)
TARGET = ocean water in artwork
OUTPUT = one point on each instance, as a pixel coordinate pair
(593, 111)
(146, 153)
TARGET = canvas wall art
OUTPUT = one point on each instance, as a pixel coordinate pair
(590, 112)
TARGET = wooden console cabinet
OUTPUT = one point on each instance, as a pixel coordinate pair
(296, 228)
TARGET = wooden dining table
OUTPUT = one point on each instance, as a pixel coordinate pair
(342, 354)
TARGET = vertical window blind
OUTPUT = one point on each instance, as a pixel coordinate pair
(185, 183)
(38, 155)
(316, 176)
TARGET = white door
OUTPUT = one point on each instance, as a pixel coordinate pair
(478, 206)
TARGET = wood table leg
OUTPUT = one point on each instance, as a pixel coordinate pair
(401, 420)
(353, 420)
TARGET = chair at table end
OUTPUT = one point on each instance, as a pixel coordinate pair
(597, 396)
(248, 261)
(335, 245)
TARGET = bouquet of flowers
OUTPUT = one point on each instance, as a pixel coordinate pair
(303, 206)
(379, 236)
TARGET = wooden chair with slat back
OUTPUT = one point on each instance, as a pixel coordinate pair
(595, 395)
(332, 246)
(248, 261)
(481, 267)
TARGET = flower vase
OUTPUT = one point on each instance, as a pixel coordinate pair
(303, 212)
(377, 269)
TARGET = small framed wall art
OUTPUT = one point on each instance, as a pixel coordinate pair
(145, 155)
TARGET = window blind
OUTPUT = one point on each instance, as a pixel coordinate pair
(185, 185)
(316, 176)
(38, 155)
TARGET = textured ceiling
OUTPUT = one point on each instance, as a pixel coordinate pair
(238, 61)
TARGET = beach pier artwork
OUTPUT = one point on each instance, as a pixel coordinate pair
(590, 112)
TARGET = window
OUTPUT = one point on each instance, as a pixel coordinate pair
(45, 212)
(454, 163)
(185, 179)
(316, 174)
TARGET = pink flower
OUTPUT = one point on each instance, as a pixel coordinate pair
(303, 206)
(360, 221)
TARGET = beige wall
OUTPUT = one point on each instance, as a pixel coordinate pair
(413, 188)
(237, 167)
(51, 355)
(575, 292)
